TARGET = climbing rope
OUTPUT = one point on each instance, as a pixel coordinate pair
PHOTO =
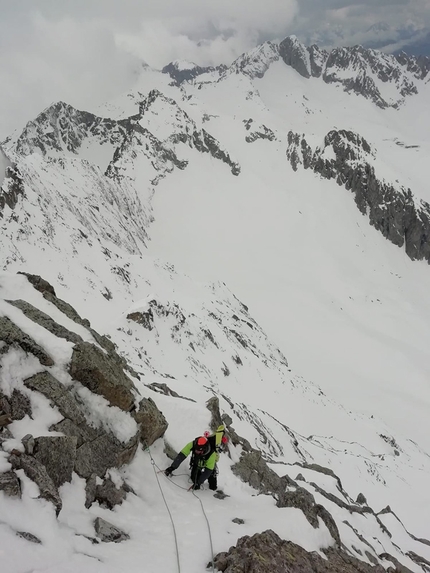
(209, 529)
(154, 465)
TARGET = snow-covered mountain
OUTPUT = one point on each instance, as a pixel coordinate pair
(253, 240)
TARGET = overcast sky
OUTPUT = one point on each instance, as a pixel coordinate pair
(87, 51)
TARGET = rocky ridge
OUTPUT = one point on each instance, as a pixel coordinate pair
(346, 157)
(359, 70)
(79, 441)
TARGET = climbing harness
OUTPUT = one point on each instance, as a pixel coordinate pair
(154, 465)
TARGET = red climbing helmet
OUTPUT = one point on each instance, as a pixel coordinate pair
(201, 446)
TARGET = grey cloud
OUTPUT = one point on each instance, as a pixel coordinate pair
(87, 51)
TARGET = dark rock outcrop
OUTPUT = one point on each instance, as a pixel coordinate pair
(11, 189)
(392, 211)
(101, 374)
(357, 69)
(58, 455)
(153, 423)
(267, 553)
(37, 472)
(12, 335)
(108, 533)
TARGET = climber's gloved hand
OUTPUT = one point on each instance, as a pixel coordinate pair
(168, 471)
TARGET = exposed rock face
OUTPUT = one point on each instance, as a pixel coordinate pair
(37, 472)
(152, 421)
(256, 62)
(346, 157)
(101, 374)
(10, 484)
(184, 129)
(362, 71)
(12, 335)
(85, 447)
(58, 455)
(179, 72)
(261, 132)
(11, 189)
(267, 553)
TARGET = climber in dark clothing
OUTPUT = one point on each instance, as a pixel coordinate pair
(203, 461)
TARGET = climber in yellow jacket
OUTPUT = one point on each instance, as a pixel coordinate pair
(204, 452)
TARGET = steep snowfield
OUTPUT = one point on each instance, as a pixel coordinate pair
(349, 310)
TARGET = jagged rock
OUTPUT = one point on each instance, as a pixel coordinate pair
(5, 434)
(182, 74)
(213, 406)
(28, 536)
(82, 432)
(238, 520)
(153, 423)
(226, 420)
(58, 455)
(90, 490)
(361, 499)
(5, 419)
(28, 442)
(12, 187)
(146, 318)
(20, 405)
(103, 453)
(58, 394)
(108, 495)
(108, 532)
(267, 553)
(162, 388)
(39, 283)
(300, 477)
(253, 469)
(391, 211)
(12, 335)
(45, 320)
(37, 473)
(10, 484)
(419, 560)
(399, 568)
(169, 451)
(294, 54)
(102, 374)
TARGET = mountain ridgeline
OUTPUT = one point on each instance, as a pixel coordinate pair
(249, 157)
(386, 81)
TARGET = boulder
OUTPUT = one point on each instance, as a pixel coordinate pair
(153, 423)
(101, 373)
(107, 532)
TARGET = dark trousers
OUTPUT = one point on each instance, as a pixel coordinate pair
(212, 481)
